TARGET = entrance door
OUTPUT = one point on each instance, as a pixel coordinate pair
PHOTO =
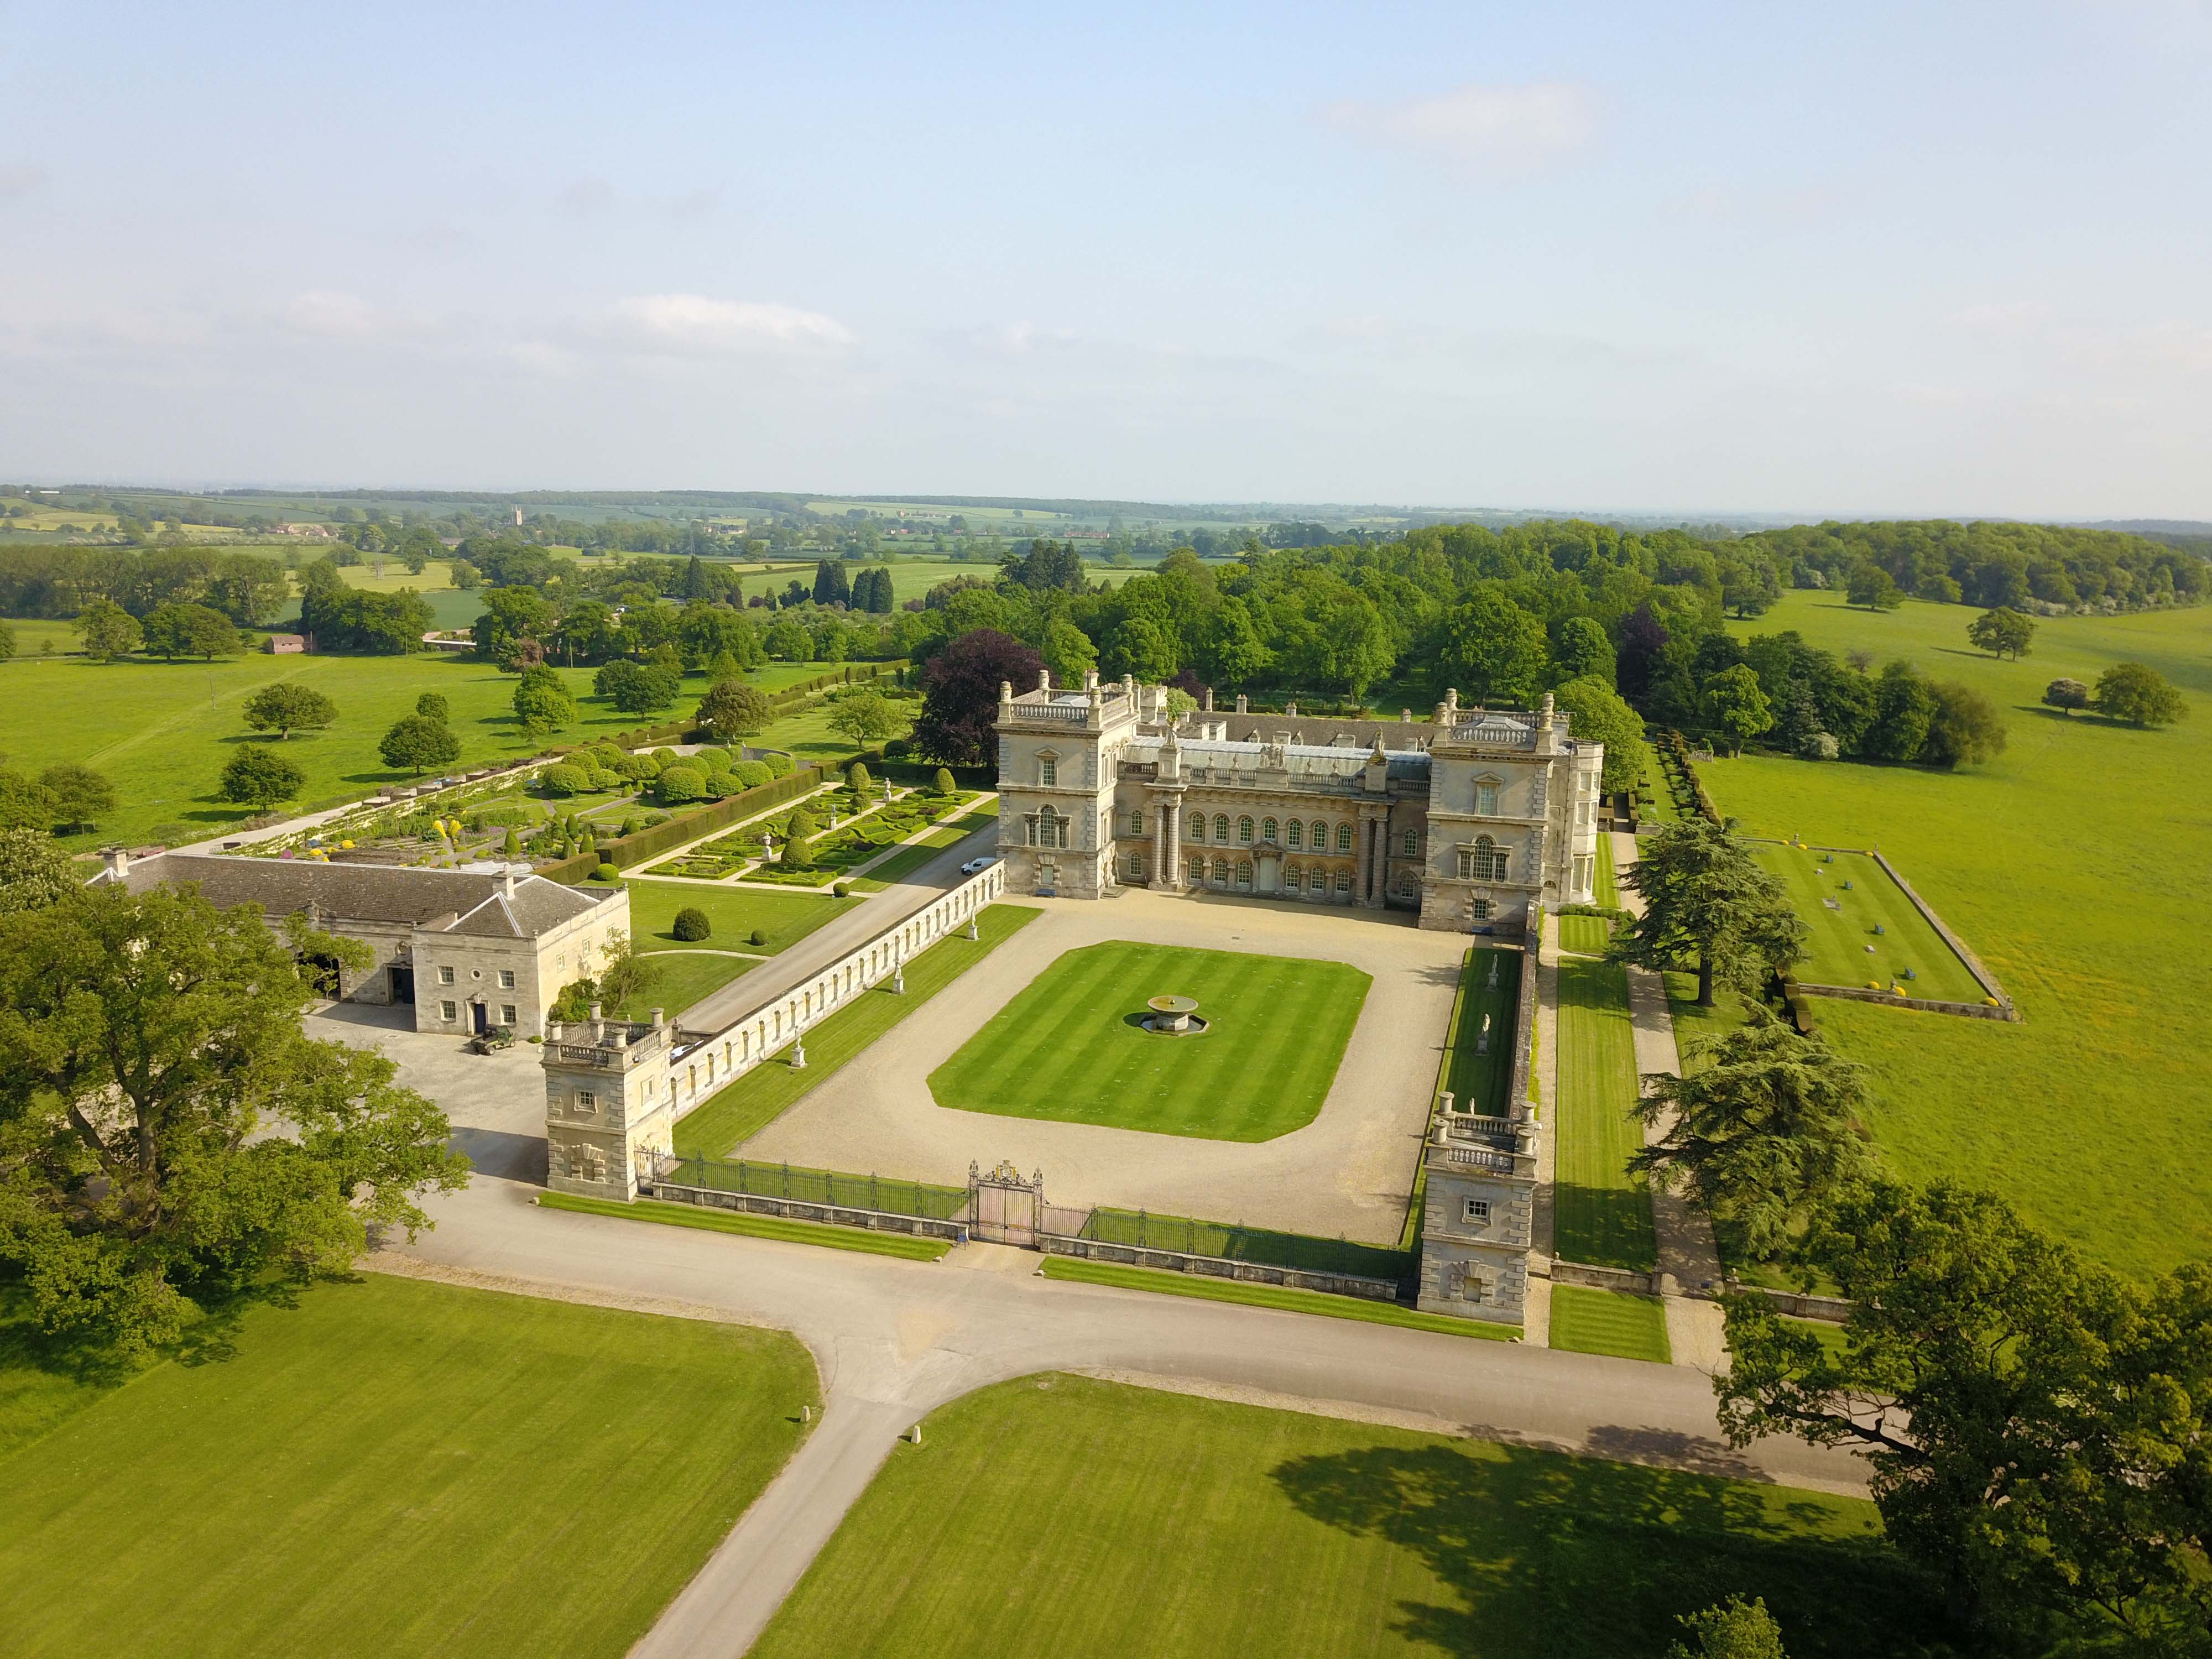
(479, 1017)
(403, 983)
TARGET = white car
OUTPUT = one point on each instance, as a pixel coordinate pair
(976, 867)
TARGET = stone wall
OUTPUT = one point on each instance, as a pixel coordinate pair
(1131, 1256)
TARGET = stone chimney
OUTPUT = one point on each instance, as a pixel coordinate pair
(1205, 699)
(1243, 703)
(117, 860)
(506, 881)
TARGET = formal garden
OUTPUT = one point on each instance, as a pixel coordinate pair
(1864, 930)
(1074, 1047)
(1292, 1534)
(818, 842)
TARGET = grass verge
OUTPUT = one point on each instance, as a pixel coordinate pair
(754, 1226)
(754, 1101)
(1588, 1320)
(389, 1468)
(1059, 1515)
(1289, 1298)
(1603, 1215)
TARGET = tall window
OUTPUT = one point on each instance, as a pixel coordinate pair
(1136, 867)
(1197, 871)
(1243, 832)
(1344, 838)
(1193, 827)
(1221, 826)
(1137, 822)
(1221, 871)
(1243, 872)
(1410, 843)
(1489, 860)
(1293, 879)
(1048, 772)
(1485, 799)
(1295, 835)
(1268, 830)
(1320, 837)
(1344, 881)
(1046, 828)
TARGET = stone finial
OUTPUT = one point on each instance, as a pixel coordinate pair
(552, 1030)
(596, 1015)
(1405, 717)
(1205, 699)
(1089, 679)
(659, 1018)
(1044, 679)
(1005, 690)
(1550, 708)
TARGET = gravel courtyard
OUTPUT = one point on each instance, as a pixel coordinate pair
(1348, 1172)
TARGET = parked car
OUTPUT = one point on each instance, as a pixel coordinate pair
(976, 867)
(484, 1042)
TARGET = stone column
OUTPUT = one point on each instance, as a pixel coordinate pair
(1161, 853)
(1378, 862)
(1175, 844)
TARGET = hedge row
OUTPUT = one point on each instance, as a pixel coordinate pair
(627, 850)
(1672, 747)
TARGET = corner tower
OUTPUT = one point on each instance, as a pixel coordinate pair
(1059, 752)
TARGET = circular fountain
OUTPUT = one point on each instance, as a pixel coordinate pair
(1174, 1017)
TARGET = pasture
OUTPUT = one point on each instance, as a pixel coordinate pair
(162, 731)
(2076, 863)
(1071, 1049)
(390, 1468)
(1090, 1520)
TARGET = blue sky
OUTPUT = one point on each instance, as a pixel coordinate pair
(1862, 260)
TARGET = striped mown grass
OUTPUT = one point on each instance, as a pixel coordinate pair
(1286, 1298)
(1587, 1320)
(1603, 1216)
(1071, 1047)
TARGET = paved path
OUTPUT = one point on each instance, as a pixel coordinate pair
(1346, 1173)
(893, 1339)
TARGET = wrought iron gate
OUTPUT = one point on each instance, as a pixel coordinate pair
(1004, 1206)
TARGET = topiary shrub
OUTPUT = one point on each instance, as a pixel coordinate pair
(841, 890)
(563, 780)
(715, 760)
(751, 774)
(691, 925)
(606, 872)
(942, 783)
(857, 779)
(779, 766)
(679, 786)
(758, 936)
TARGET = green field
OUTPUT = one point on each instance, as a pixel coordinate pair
(1838, 953)
(1585, 936)
(1587, 1321)
(734, 914)
(756, 1099)
(1070, 1048)
(391, 1467)
(2079, 864)
(1285, 1299)
(1479, 1082)
(160, 731)
(1085, 1520)
(1602, 1217)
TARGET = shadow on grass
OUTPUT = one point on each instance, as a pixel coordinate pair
(1605, 1226)
(1580, 1556)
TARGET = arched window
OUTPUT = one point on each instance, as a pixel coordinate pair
(1344, 838)
(1221, 872)
(1482, 862)
(1221, 826)
(1048, 829)
(1243, 832)
(1243, 872)
(1197, 871)
(1268, 830)
(1193, 827)
(1320, 837)
(1294, 834)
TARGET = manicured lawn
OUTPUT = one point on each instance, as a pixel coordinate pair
(1288, 1298)
(903, 1245)
(1069, 1048)
(1837, 953)
(733, 915)
(1148, 1229)
(2079, 864)
(682, 978)
(1607, 886)
(1479, 1082)
(1602, 1216)
(1087, 1520)
(1585, 936)
(161, 732)
(1587, 1321)
(756, 1099)
(393, 1467)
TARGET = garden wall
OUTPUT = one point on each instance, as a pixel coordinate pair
(1133, 1256)
(797, 1209)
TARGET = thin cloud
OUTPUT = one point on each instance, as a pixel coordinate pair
(586, 196)
(694, 322)
(1488, 131)
(20, 179)
(332, 315)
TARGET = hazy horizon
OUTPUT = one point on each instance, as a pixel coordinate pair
(1685, 265)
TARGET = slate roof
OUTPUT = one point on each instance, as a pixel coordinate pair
(445, 901)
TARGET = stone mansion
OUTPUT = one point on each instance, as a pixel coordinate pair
(1475, 818)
